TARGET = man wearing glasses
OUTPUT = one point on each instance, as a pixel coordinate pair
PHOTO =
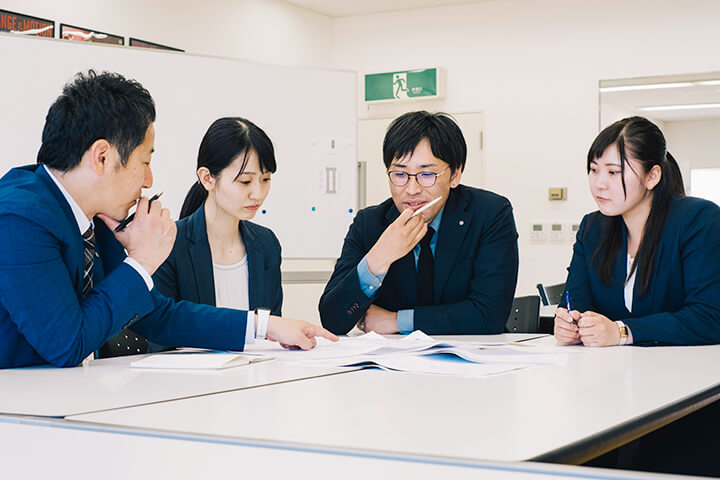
(449, 269)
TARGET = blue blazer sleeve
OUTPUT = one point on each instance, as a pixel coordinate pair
(40, 298)
(697, 320)
(343, 302)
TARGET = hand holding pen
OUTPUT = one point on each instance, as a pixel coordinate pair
(124, 223)
(149, 234)
(566, 329)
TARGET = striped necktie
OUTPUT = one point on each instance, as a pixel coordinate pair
(88, 255)
(126, 342)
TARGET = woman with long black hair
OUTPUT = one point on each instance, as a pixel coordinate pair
(646, 266)
(221, 258)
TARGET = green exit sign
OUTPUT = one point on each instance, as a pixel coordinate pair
(404, 85)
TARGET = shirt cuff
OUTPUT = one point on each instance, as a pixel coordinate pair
(369, 283)
(250, 328)
(141, 270)
(406, 321)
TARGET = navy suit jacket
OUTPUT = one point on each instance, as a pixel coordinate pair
(682, 304)
(187, 274)
(476, 266)
(43, 320)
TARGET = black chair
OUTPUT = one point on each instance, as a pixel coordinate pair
(525, 315)
(551, 294)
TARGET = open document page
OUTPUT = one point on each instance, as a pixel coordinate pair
(195, 360)
(418, 353)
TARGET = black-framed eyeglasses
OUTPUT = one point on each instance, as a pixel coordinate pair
(424, 179)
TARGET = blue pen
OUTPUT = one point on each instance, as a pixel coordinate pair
(567, 300)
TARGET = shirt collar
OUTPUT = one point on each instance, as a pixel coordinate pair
(80, 218)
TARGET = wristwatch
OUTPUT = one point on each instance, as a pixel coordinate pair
(263, 315)
(623, 332)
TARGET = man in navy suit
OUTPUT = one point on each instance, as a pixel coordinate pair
(450, 269)
(68, 283)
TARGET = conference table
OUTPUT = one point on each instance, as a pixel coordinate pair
(600, 399)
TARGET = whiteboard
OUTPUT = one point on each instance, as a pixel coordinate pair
(310, 115)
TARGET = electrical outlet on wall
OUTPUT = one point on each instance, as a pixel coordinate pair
(538, 232)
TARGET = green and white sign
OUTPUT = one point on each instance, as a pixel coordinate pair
(403, 85)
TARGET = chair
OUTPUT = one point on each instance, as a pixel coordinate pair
(525, 315)
(551, 294)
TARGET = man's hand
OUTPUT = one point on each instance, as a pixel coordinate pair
(295, 333)
(396, 241)
(379, 320)
(598, 331)
(566, 330)
(149, 238)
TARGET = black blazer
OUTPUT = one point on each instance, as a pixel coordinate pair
(476, 267)
(682, 305)
(187, 274)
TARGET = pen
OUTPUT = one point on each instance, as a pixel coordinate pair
(425, 207)
(567, 300)
(124, 223)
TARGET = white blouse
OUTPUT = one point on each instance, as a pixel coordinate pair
(629, 284)
(231, 285)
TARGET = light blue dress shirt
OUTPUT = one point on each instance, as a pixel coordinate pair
(370, 283)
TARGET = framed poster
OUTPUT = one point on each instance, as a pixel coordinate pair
(26, 25)
(78, 34)
(134, 42)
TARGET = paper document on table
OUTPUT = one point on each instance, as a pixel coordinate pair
(418, 353)
(196, 361)
(370, 343)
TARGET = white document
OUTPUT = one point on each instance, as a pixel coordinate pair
(196, 361)
(418, 353)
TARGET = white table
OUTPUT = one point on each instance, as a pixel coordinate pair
(601, 399)
(45, 449)
(111, 383)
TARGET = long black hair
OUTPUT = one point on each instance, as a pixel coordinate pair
(640, 139)
(227, 138)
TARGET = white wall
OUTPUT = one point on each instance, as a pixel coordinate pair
(533, 69)
(695, 141)
(266, 31)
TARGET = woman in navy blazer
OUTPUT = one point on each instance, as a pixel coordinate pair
(219, 257)
(646, 267)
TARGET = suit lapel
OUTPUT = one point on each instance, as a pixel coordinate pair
(76, 242)
(201, 258)
(455, 224)
(644, 305)
(256, 267)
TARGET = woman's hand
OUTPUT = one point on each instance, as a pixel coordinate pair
(597, 330)
(566, 329)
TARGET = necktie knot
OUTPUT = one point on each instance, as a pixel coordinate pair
(89, 237)
(425, 242)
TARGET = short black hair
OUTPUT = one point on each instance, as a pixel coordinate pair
(441, 130)
(92, 107)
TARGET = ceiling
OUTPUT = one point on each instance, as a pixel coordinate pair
(345, 8)
(694, 94)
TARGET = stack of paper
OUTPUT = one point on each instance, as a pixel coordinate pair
(197, 360)
(418, 353)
